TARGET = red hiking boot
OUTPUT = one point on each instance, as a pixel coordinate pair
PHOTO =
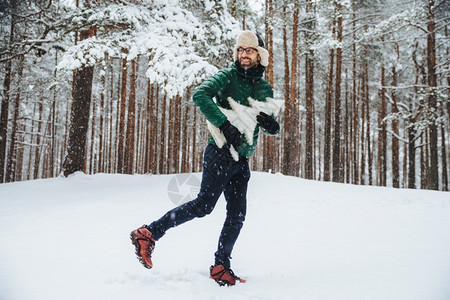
(144, 243)
(224, 276)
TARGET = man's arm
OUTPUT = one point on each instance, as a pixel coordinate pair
(204, 94)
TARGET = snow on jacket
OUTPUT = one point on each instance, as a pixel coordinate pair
(238, 84)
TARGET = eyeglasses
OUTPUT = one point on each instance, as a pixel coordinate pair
(247, 50)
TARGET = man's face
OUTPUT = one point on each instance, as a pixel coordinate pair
(248, 57)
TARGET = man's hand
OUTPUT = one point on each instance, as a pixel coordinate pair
(268, 123)
(232, 134)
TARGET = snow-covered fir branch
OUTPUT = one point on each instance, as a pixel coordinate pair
(178, 44)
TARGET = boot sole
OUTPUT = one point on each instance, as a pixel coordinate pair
(133, 238)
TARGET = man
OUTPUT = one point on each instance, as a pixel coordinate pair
(221, 172)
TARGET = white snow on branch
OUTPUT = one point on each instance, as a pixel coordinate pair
(177, 42)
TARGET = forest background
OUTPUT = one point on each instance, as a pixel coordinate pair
(106, 86)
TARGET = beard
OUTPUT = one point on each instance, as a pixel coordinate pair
(248, 63)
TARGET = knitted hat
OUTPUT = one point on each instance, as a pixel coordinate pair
(249, 39)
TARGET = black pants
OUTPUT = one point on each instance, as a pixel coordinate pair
(220, 174)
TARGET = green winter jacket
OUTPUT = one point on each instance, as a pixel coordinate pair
(239, 84)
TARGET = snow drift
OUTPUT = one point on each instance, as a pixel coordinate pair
(68, 238)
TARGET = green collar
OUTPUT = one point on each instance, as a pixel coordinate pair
(250, 74)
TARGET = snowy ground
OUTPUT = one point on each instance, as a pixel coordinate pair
(68, 238)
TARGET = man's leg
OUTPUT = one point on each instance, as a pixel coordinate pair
(215, 176)
(236, 196)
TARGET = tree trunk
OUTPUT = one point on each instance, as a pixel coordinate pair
(269, 39)
(337, 166)
(140, 132)
(156, 145)
(382, 140)
(444, 156)
(101, 150)
(286, 90)
(171, 137)
(243, 17)
(395, 142)
(364, 108)
(149, 135)
(309, 91)
(185, 134)
(131, 123)
(355, 135)
(194, 141)
(10, 169)
(4, 120)
(291, 160)
(432, 83)
(20, 155)
(121, 161)
(53, 146)
(347, 132)
(351, 113)
(162, 136)
(5, 103)
(177, 140)
(411, 158)
(286, 59)
(328, 119)
(269, 142)
(91, 161)
(110, 162)
(369, 147)
(79, 120)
